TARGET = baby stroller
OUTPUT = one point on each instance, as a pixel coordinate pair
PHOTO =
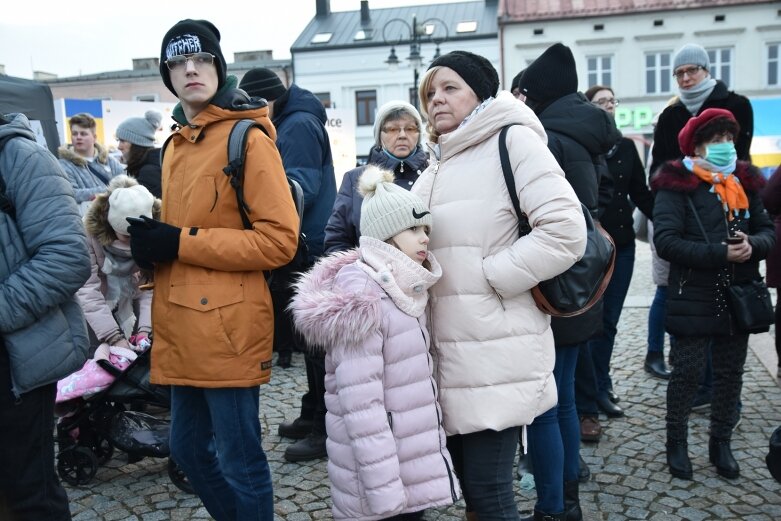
(91, 427)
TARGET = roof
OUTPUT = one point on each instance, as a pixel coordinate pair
(531, 10)
(344, 26)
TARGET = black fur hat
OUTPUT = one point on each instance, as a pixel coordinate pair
(188, 37)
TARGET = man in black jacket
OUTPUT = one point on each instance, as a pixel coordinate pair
(698, 91)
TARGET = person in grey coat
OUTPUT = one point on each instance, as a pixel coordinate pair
(43, 336)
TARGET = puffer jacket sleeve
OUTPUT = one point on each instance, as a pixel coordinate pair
(143, 300)
(558, 237)
(93, 302)
(359, 380)
(50, 227)
(762, 236)
(273, 239)
(340, 232)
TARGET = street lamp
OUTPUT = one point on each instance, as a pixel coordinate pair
(429, 30)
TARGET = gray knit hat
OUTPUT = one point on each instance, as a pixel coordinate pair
(388, 209)
(140, 131)
(693, 54)
(389, 108)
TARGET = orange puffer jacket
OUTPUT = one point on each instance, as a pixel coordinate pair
(212, 315)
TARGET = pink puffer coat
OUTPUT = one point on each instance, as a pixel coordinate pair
(386, 444)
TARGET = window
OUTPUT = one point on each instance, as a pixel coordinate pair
(322, 38)
(466, 27)
(145, 97)
(600, 70)
(773, 77)
(658, 72)
(325, 99)
(365, 106)
(721, 64)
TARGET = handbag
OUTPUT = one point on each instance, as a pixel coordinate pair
(576, 290)
(749, 302)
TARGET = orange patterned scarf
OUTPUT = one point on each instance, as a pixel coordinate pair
(727, 187)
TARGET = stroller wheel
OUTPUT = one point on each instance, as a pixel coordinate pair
(178, 477)
(77, 465)
(103, 450)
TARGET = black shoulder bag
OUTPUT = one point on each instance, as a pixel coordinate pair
(749, 301)
(580, 287)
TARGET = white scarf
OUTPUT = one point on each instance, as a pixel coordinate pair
(405, 281)
(121, 285)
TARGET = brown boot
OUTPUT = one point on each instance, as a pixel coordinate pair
(590, 428)
(471, 516)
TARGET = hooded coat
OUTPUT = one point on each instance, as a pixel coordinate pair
(93, 295)
(699, 270)
(386, 446)
(344, 226)
(579, 134)
(41, 264)
(86, 184)
(493, 348)
(212, 313)
(306, 153)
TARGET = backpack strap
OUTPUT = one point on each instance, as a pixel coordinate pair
(237, 154)
(6, 205)
(524, 228)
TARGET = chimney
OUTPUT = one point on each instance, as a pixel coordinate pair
(323, 8)
(366, 18)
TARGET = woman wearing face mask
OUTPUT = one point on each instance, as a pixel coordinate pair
(712, 185)
(397, 131)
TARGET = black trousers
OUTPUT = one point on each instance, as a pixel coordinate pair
(729, 356)
(286, 340)
(29, 487)
(313, 401)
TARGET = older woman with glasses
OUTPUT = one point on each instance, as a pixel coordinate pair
(698, 91)
(397, 131)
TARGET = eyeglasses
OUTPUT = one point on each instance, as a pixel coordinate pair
(604, 102)
(690, 71)
(199, 59)
(395, 131)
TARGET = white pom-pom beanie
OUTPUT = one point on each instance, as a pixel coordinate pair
(387, 208)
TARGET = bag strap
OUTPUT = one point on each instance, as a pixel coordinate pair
(524, 228)
(237, 153)
(697, 217)
(98, 172)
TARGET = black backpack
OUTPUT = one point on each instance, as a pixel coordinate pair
(237, 153)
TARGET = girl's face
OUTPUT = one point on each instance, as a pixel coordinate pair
(413, 242)
(449, 100)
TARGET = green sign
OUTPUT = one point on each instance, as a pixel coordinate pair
(635, 117)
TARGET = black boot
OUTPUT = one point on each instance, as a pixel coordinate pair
(720, 454)
(654, 365)
(297, 429)
(572, 510)
(311, 447)
(678, 459)
(542, 516)
(584, 473)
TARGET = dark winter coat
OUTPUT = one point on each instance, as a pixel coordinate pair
(674, 118)
(579, 134)
(699, 270)
(149, 173)
(343, 229)
(306, 154)
(771, 198)
(628, 175)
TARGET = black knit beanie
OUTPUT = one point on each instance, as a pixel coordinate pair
(517, 81)
(475, 70)
(262, 83)
(188, 37)
(551, 76)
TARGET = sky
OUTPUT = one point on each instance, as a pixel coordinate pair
(68, 38)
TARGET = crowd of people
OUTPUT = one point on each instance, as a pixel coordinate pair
(428, 362)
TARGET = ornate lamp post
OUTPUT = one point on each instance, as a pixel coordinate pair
(398, 32)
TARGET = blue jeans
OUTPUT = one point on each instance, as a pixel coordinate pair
(484, 462)
(215, 439)
(656, 315)
(613, 302)
(554, 438)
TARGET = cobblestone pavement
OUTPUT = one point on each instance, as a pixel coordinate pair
(629, 477)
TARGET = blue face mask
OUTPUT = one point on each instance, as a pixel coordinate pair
(721, 154)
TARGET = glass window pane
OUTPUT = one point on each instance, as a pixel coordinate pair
(772, 52)
(772, 73)
(665, 82)
(592, 64)
(650, 60)
(665, 59)
(608, 79)
(592, 79)
(650, 82)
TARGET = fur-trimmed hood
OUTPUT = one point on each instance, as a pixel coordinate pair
(328, 314)
(68, 153)
(96, 218)
(674, 176)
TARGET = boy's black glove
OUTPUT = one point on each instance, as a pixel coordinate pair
(152, 241)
